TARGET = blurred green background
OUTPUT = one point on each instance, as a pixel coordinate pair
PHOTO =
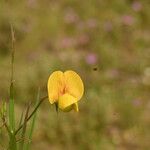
(107, 43)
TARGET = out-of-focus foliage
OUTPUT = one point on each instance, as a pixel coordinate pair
(107, 43)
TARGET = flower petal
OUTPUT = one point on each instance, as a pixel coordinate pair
(74, 84)
(75, 107)
(65, 101)
(55, 86)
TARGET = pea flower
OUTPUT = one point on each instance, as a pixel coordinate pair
(65, 90)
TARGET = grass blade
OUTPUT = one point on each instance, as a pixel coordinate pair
(33, 123)
(24, 127)
(21, 119)
(33, 112)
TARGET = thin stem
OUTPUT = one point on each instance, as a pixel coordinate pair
(13, 52)
(11, 101)
(5, 124)
(33, 112)
(32, 123)
(12, 142)
(25, 126)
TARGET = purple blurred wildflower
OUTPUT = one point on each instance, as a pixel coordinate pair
(67, 42)
(137, 102)
(81, 25)
(136, 6)
(108, 26)
(71, 16)
(32, 3)
(113, 73)
(91, 58)
(92, 23)
(83, 39)
(128, 20)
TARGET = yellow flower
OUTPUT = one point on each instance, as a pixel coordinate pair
(65, 89)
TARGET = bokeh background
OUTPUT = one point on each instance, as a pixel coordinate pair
(108, 43)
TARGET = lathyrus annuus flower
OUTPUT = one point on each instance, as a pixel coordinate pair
(65, 90)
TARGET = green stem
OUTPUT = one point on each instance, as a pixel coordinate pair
(11, 101)
(33, 112)
(32, 123)
(12, 142)
(5, 124)
(24, 127)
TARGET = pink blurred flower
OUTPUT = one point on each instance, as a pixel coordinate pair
(137, 102)
(108, 26)
(71, 16)
(91, 58)
(32, 3)
(113, 73)
(128, 20)
(81, 25)
(83, 39)
(92, 23)
(67, 42)
(136, 6)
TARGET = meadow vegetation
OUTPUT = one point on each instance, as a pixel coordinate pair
(107, 43)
